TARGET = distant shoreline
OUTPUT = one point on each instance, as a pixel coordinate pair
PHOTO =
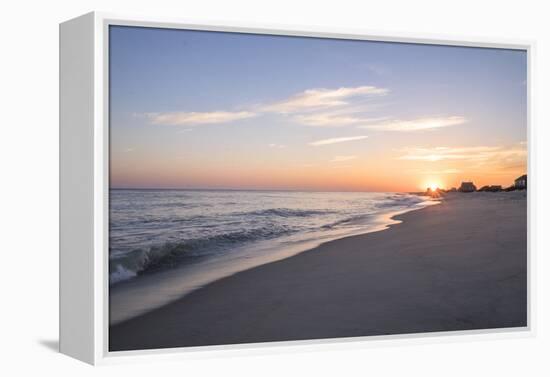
(459, 265)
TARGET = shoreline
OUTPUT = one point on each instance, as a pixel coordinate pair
(403, 283)
(140, 295)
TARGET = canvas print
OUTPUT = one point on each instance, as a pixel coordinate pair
(267, 188)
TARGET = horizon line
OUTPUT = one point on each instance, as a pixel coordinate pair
(248, 189)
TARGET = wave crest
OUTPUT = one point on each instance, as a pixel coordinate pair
(170, 254)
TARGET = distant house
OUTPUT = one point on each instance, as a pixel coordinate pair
(520, 183)
(467, 187)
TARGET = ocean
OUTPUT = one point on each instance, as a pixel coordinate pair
(166, 243)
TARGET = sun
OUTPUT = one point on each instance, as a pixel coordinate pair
(433, 186)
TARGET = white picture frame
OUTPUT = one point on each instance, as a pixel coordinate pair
(84, 148)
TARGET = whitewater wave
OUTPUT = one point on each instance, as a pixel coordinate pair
(233, 222)
(171, 254)
(398, 200)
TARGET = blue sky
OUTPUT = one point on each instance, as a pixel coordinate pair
(187, 107)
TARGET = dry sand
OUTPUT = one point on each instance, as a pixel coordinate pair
(455, 266)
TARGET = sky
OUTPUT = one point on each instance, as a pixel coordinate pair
(199, 109)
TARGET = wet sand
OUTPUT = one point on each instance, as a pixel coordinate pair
(460, 265)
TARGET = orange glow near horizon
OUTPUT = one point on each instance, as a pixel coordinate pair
(386, 174)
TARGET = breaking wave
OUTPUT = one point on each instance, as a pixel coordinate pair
(163, 236)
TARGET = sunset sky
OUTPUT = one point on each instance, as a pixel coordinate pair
(193, 109)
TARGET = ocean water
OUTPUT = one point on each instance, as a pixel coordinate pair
(166, 243)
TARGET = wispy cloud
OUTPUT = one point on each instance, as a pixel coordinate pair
(313, 99)
(448, 153)
(333, 120)
(416, 124)
(500, 154)
(343, 158)
(273, 145)
(322, 107)
(197, 118)
(336, 140)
